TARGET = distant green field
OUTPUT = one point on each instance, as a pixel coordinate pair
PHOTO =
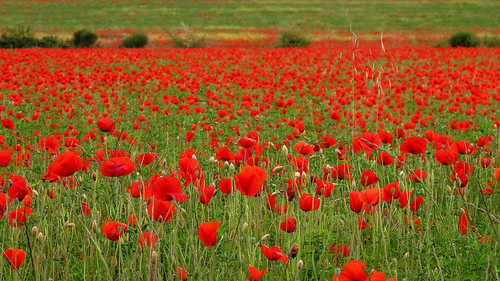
(364, 15)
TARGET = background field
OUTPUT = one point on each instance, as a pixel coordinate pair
(249, 20)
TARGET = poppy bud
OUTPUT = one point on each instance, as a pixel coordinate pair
(69, 224)
(211, 160)
(338, 152)
(245, 227)
(407, 256)
(252, 225)
(194, 157)
(277, 169)
(183, 211)
(84, 196)
(284, 150)
(291, 195)
(35, 192)
(94, 226)
(34, 231)
(94, 176)
(402, 173)
(114, 261)
(227, 216)
(231, 167)
(297, 174)
(303, 175)
(353, 185)
(40, 238)
(300, 265)
(448, 189)
(80, 180)
(154, 257)
(265, 237)
(294, 250)
(337, 271)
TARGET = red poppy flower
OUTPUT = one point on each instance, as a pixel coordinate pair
(148, 238)
(461, 176)
(462, 165)
(226, 186)
(415, 204)
(403, 198)
(49, 143)
(15, 257)
(370, 196)
(324, 188)
(391, 192)
(445, 157)
(354, 271)
(384, 159)
(463, 220)
(385, 137)
(341, 172)
(181, 273)
(246, 142)
(304, 148)
(289, 225)
(485, 162)
(328, 141)
(367, 142)
(190, 171)
(368, 177)
(207, 233)
(113, 230)
(496, 174)
(224, 154)
(18, 188)
(168, 188)
(65, 165)
(5, 156)
(462, 147)
(7, 123)
(414, 145)
(340, 249)
(117, 166)
(146, 158)
(161, 211)
(207, 193)
(301, 163)
(274, 253)
(106, 124)
(255, 274)
(3, 203)
(418, 175)
(21, 216)
(250, 180)
(309, 202)
(86, 208)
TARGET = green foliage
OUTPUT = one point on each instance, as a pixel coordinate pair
(84, 38)
(52, 42)
(22, 37)
(292, 38)
(186, 40)
(463, 39)
(493, 41)
(136, 40)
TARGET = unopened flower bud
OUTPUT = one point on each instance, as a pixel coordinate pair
(353, 185)
(80, 180)
(265, 237)
(194, 157)
(407, 256)
(284, 150)
(244, 228)
(291, 195)
(277, 169)
(337, 271)
(94, 176)
(297, 174)
(300, 265)
(95, 228)
(34, 231)
(294, 250)
(448, 189)
(211, 160)
(40, 238)
(154, 257)
(276, 193)
(69, 224)
(231, 167)
(114, 261)
(35, 192)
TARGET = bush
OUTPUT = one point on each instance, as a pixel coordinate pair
(187, 40)
(136, 40)
(292, 38)
(18, 38)
(463, 39)
(84, 38)
(52, 42)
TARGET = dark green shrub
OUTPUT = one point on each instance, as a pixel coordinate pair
(463, 39)
(84, 38)
(18, 38)
(52, 42)
(187, 39)
(136, 40)
(292, 38)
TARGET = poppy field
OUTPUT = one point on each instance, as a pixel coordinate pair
(244, 164)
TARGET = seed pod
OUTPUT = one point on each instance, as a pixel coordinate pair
(277, 169)
(40, 238)
(265, 237)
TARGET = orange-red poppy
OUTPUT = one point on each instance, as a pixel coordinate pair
(274, 253)
(207, 233)
(65, 165)
(250, 180)
(15, 257)
(113, 230)
(117, 166)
